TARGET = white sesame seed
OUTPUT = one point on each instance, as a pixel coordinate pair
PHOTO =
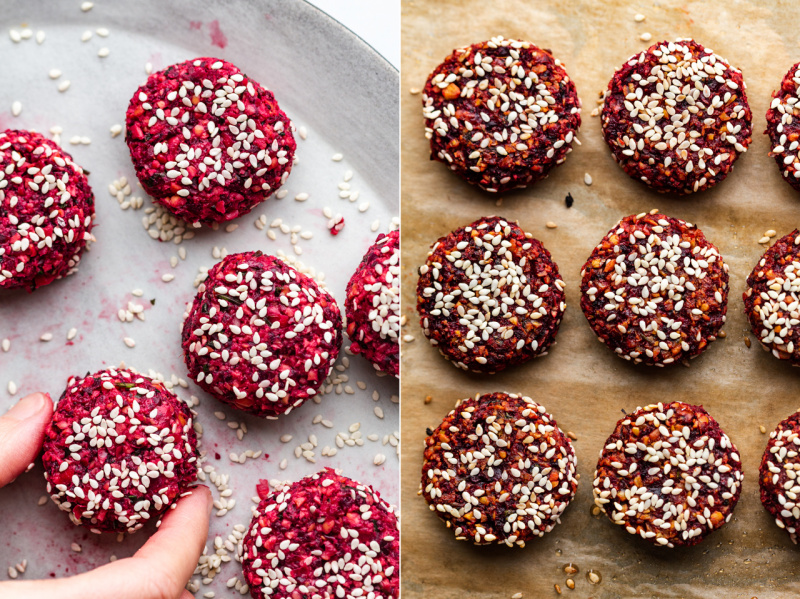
(337, 157)
(646, 37)
(639, 18)
(87, 6)
(6, 344)
(46, 337)
(87, 35)
(587, 178)
(102, 31)
(71, 334)
(75, 547)
(103, 52)
(115, 130)
(129, 342)
(64, 85)
(54, 73)
(40, 35)
(167, 277)
(16, 108)
(12, 387)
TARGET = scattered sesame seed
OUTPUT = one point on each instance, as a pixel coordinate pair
(12, 572)
(301, 197)
(12, 387)
(42, 500)
(639, 18)
(551, 225)
(378, 412)
(103, 52)
(71, 334)
(379, 459)
(148, 67)
(770, 233)
(167, 277)
(763, 429)
(64, 85)
(102, 31)
(587, 178)
(115, 130)
(87, 35)
(337, 157)
(40, 37)
(16, 108)
(129, 342)
(517, 596)
(54, 73)
(646, 37)
(46, 337)
(764, 239)
(75, 547)
(747, 341)
(87, 6)
(14, 35)
(414, 91)
(303, 132)
(6, 345)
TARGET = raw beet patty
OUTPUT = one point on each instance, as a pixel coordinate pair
(655, 290)
(501, 114)
(324, 537)
(373, 305)
(119, 451)
(46, 211)
(208, 142)
(489, 296)
(676, 117)
(668, 474)
(772, 299)
(783, 126)
(498, 469)
(260, 335)
(777, 475)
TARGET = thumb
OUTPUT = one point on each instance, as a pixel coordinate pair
(21, 433)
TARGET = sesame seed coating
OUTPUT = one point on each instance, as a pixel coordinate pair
(772, 299)
(655, 290)
(777, 475)
(783, 127)
(499, 470)
(46, 211)
(676, 117)
(501, 114)
(373, 305)
(323, 537)
(119, 451)
(489, 296)
(208, 142)
(260, 335)
(668, 474)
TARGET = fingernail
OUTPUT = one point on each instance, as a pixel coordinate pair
(27, 407)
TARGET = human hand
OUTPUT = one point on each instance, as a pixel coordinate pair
(159, 570)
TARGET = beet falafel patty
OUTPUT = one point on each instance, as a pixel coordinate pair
(323, 537)
(260, 335)
(120, 450)
(373, 305)
(46, 211)
(772, 299)
(655, 290)
(501, 114)
(676, 117)
(668, 474)
(208, 142)
(489, 296)
(777, 476)
(783, 127)
(498, 469)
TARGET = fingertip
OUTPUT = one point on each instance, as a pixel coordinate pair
(36, 404)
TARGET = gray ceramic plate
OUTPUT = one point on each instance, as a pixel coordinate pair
(328, 81)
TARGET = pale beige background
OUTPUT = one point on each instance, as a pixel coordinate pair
(581, 382)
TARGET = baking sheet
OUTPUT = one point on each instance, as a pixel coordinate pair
(308, 60)
(581, 382)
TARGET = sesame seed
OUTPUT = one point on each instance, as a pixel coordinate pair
(46, 337)
(12, 387)
(337, 157)
(102, 31)
(587, 178)
(16, 108)
(129, 342)
(54, 73)
(87, 35)
(639, 18)
(63, 86)
(72, 333)
(551, 225)
(645, 37)
(75, 547)
(87, 6)
(115, 130)
(167, 277)
(103, 52)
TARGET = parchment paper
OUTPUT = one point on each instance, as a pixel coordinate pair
(581, 382)
(304, 57)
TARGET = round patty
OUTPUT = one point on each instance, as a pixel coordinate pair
(668, 474)
(119, 451)
(489, 296)
(501, 114)
(208, 142)
(676, 117)
(783, 126)
(46, 211)
(498, 469)
(324, 537)
(772, 299)
(655, 290)
(260, 335)
(777, 475)
(373, 305)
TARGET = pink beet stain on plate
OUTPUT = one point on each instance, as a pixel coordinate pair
(195, 24)
(217, 37)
